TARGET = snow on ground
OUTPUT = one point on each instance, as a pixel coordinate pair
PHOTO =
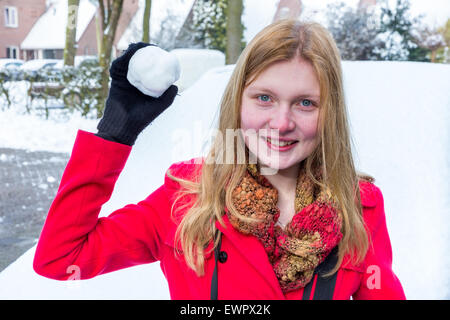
(19, 132)
(399, 114)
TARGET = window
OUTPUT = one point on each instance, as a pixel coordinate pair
(11, 19)
(53, 53)
(30, 55)
(12, 52)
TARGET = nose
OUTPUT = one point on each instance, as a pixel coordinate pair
(282, 119)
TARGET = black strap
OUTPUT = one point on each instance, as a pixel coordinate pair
(324, 289)
(308, 288)
(214, 280)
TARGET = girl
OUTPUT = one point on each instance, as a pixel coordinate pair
(280, 214)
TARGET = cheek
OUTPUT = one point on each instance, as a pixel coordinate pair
(250, 119)
(309, 127)
(250, 125)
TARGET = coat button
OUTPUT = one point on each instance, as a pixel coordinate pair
(223, 256)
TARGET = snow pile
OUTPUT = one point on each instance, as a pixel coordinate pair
(194, 63)
(399, 114)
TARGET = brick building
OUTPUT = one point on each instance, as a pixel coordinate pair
(16, 20)
(35, 29)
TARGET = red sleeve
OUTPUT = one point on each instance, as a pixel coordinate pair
(74, 239)
(379, 281)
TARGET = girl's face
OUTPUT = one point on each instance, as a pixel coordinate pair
(282, 106)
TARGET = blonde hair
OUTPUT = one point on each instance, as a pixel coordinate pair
(280, 41)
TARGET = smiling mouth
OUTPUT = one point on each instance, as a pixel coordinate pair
(281, 143)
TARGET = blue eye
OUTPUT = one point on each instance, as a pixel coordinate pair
(306, 103)
(264, 98)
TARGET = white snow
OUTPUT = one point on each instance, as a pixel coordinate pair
(256, 16)
(194, 63)
(49, 31)
(27, 131)
(53, 135)
(51, 179)
(153, 70)
(8, 63)
(399, 114)
(36, 64)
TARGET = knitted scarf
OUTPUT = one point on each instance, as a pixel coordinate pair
(306, 240)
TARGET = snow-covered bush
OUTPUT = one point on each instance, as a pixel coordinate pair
(81, 88)
(355, 31)
(379, 32)
(44, 85)
(67, 87)
(397, 29)
(5, 77)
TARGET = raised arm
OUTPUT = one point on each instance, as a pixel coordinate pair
(73, 237)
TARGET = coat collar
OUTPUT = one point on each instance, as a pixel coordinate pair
(368, 196)
(252, 249)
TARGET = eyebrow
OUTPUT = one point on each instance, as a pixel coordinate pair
(304, 95)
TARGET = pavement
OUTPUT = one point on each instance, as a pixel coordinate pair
(29, 181)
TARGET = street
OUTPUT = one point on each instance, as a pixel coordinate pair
(28, 184)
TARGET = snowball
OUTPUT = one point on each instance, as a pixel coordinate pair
(153, 70)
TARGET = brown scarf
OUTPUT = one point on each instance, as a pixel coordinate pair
(305, 242)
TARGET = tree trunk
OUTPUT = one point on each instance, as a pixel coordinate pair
(110, 18)
(98, 32)
(70, 48)
(433, 55)
(146, 23)
(234, 31)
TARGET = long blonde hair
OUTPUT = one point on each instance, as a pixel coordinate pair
(280, 41)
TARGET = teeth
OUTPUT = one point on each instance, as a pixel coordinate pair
(280, 144)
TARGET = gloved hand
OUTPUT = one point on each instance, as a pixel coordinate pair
(127, 110)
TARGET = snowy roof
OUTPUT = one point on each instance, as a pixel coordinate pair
(49, 32)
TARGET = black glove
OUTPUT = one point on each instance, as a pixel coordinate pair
(127, 110)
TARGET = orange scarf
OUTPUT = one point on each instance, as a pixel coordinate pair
(307, 239)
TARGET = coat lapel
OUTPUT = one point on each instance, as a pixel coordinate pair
(253, 251)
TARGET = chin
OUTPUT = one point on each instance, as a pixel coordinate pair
(273, 166)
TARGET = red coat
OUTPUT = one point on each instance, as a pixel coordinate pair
(74, 238)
